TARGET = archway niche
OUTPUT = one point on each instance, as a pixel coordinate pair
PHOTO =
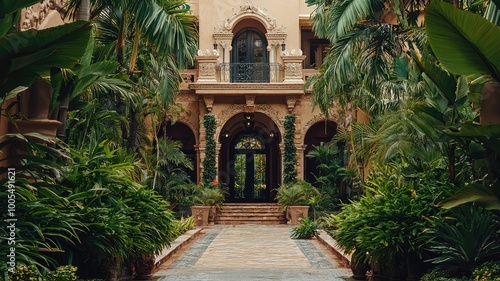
(319, 133)
(182, 133)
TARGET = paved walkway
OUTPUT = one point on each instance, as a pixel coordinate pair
(250, 252)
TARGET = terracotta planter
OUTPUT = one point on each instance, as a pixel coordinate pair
(201, 214)
(295, 213)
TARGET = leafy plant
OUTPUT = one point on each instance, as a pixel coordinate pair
(386, 222)
(473, 39)
(24, 272)
(293, 195)
(463, 239)
(443, 275)
(62, 273)
(209, 172)
(60, 46)
(210, 196)
(290, 151)
(307, 229)
(181, 226)
(488, 271)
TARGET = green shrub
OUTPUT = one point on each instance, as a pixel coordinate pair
(386, 222)
(290, 151)
(488, 271)
(307, 229)
(209, 162)
(30, 273)
(181, 226)
(62, 273)
(296, 194)
(24, 272)
(210, 195)
(463, 238)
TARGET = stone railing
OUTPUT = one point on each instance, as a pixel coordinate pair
(211, 71)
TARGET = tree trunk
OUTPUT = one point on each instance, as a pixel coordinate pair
(84, 10)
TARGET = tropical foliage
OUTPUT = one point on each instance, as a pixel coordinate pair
(424, 127)
(386, 222)
(98, 201)
(307, 229)
(290, 151)
(209, 172)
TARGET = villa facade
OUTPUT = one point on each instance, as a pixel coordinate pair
(253, 59)
(250, 72)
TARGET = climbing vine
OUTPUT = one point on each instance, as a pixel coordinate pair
(209, 172)
(290, 153)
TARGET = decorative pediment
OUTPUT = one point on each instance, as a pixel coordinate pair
(249, 10)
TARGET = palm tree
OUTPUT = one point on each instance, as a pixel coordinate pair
(364, 46)
(150, 40)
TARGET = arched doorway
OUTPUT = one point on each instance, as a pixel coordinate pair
(249, 159)
(321, 132)
(249, 60)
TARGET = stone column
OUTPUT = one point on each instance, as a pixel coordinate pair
(293, 68)
(282, 154)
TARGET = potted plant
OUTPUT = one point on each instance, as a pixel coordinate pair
(294, 200)
(208, 200)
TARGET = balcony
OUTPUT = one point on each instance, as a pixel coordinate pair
(213, 77)
(250, 72)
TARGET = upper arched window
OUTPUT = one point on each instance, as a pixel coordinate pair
(249, 60)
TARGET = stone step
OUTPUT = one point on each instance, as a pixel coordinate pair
(246, 217)
(273, 222)
(250, 213)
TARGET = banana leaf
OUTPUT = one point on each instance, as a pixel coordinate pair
(12, 6)
(464, 42)
(487, 197)
(28, 55)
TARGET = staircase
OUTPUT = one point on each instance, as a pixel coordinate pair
(250, 213)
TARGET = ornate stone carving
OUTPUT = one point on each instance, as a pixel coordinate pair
(34, 15)
(293, 69)
(209, 102)
(273, 113)
(290, 102)
(207, 69)
(249, 9)
(228, 113)
(250, 100)
(247, 86)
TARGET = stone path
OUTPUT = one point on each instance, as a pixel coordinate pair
(251, 252)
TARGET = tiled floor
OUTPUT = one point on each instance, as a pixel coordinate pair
(252, 252)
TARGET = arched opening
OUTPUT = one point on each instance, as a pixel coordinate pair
(249, 158)
(182, 133)
(249, 59)
(319, 133)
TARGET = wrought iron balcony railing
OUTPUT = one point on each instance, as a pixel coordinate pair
(250, 72)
